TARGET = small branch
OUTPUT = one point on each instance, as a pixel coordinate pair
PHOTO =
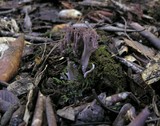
(148, 35)
(93, 3)
(103, 106)
(17, 115)
(8, 11)
(28, 37)
(51, 119)
(120, 119)
(93, 124)
(141, 118)
(115, 29)
(6, 117)
(131, 65)
(38, 113)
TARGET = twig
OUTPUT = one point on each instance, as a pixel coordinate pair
(17, 115)
(141, 118)
(120, 119)
(148, 35)
(38, 113)
(27, 37)
(131, 95)
(51, 119)
(6, 117)
(93, 124)
(133, 66)
(103, 106)
(7, 11)
(115, 29)
(93, 3)
(152, 120)
(125, 29)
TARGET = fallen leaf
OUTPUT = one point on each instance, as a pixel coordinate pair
(144, 50)
(151, 74)
(21, 86)
(122, 50)
(59, 27)
(67, 113)
(7, 99)
(10, 58)
(130, 58)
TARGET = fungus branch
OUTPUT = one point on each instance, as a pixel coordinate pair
(83, 42)
(90, 45)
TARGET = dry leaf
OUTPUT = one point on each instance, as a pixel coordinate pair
(67, 113)
(144, 50)
(130, 58)
(151, 74)
(7, 98)
(59, 27)
(122, 50)
(10, 58)
(21, 86)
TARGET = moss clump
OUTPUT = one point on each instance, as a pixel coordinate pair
(103, 36)
(108, 73)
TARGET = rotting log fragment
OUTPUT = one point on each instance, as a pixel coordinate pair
(38, 113)
(51, 119)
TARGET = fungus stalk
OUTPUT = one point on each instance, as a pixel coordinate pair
(90, 45)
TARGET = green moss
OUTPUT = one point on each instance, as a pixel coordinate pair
(103, 36)
(106, 76)
(107, 73)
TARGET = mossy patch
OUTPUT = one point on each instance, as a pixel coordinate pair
(108, 73)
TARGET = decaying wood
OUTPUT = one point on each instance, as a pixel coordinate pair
(93, 3)
(6, 117)
(70, 63)
(120, 119)
(51, 119)
(31, 102)
(115, 29)
(27, 37)
(133, 66)
(39, 109)
(141, 118)
(17, 116)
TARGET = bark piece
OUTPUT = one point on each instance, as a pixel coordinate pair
(51, 119)
(6, 117)
(38, 113)
(141, 118)
(17, 117)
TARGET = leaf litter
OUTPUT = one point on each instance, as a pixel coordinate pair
(79, 62)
